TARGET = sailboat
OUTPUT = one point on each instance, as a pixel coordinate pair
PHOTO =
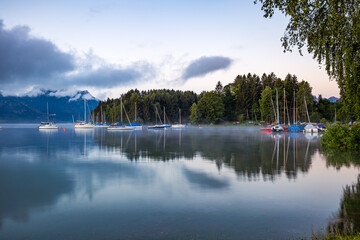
(83, 124)
(120, 127)
(165, 125)
(134, 124)
(48, 124)
(157, 126)
(309, 128)
(103, 120)
(277, 127)
(178, 125)
(294, 127)
(162, 125)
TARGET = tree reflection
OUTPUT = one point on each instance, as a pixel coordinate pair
(251, 154)
(347, 220)
(340, 159)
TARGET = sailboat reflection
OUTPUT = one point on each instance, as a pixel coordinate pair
(84, 132)
(48, 133)
(294, 149)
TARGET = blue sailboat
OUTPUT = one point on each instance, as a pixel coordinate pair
(137, 126)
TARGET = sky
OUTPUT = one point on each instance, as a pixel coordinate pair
(109, 47)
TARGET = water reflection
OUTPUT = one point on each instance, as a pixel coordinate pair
(192, 183)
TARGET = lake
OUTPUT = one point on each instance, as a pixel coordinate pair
(194, 183)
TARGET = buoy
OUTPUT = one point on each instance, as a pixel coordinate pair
(64, 129)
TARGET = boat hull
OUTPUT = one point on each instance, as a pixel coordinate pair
(121, 128)
(84, 126)
(178, 126)
(101, 126)
(265, 129)
(48, 126)
(277, 128)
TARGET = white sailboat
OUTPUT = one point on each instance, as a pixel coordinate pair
(277, 127)
(178, 125)
(121, 127)
(83, 124)
(309, 128)
(48, 124)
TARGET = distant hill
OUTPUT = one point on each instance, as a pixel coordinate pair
(333, 99)
(33, 108)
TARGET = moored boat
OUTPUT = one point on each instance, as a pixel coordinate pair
(162, 125)
(120, 126)
(136, 125)
(178, 125)
(83, 124)
(48, 124)
(310, 129)
(277, 128)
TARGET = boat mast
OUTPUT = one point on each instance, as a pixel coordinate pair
(102, 116)
(135, 111)
(84, 110)
(272, 104)
(47, 111)
(164, 115)
(121, 114)
(288, 116)
(277, 108)
(284, 108)
(307, 112)
(294, 108)
(179, 115)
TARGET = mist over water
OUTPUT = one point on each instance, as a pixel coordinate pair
(201, 183)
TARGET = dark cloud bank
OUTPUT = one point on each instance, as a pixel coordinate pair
(27, 61)
(205, 65)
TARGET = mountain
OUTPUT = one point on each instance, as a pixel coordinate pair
(32, 108)
(333, 99)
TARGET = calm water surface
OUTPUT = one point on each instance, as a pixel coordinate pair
(200, 183)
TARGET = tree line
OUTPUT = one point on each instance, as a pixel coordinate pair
(248, 98)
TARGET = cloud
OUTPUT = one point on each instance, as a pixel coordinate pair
(113, 75)
(26, 59)
(31, 62)
(205, 65)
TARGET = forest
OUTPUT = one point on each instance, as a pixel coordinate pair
(248, 98)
